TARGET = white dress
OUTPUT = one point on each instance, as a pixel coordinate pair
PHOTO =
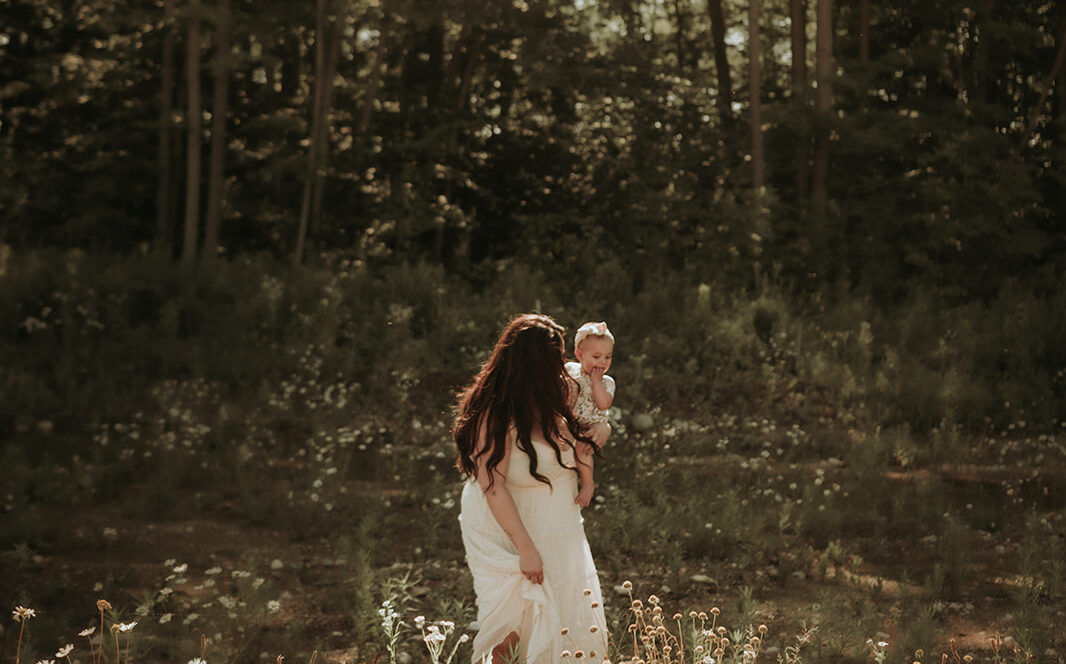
(508, 601)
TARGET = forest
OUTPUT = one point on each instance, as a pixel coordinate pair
(251, 249)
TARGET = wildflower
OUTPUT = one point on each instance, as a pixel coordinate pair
(419, 621)
(181, 569)
(22, 614)
(46, 661)
(103, 605)
(762, 629)
(715, 611)
(213, 571)
(464, 638)
(627, 585)
(653, 600)
(197, 660)
(434, 636)
(65, 650)
(88, 631)
(692, 614)
(165, 618)
(273, 606)
(703, 616)
(127, 627)
(637, 604)
(677, 616)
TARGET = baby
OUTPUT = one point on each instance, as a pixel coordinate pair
(594, 393)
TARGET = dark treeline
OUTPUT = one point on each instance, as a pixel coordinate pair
(896, 144)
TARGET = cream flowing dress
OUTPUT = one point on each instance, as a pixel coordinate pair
(508, 601)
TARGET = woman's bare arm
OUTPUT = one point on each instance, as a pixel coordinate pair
(501, 504)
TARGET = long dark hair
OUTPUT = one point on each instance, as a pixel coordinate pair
(522, 383)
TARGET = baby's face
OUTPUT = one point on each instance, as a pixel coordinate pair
(595, 353)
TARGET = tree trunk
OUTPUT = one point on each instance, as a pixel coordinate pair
(193, 121)
(375, 80)
(724, 99)
(318, 104)
(164, 208)
(333, 52)
(1056, 72)
(679, 37)
(823, 102)
(864, 31)
(220, 113)
(798, 10)
(754, 92)
(1060, 82)
(981, 63)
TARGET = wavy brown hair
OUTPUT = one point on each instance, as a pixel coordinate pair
(522, 383)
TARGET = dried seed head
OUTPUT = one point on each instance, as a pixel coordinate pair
(721, 631)
(637, 604)
(667, 649)
(627, 585)
(677, 616)
(88, 631)
(703, 616)
(653, 600)
(632, 627)
(762, 629)
(715, 611)
(103, 605)
(657, 610)
(692, 614)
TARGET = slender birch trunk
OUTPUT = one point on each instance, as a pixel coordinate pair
(754, 92)
(220, 113)
(194, 122)
(164, 201)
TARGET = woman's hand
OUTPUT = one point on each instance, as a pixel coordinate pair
(530, 563)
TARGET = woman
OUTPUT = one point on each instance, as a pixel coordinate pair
(536, 584)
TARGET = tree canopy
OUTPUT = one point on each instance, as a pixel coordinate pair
(575, 134)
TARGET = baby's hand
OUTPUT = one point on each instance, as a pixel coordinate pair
(584, 497)
(596, 373)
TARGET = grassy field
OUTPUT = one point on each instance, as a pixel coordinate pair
(248, 464)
